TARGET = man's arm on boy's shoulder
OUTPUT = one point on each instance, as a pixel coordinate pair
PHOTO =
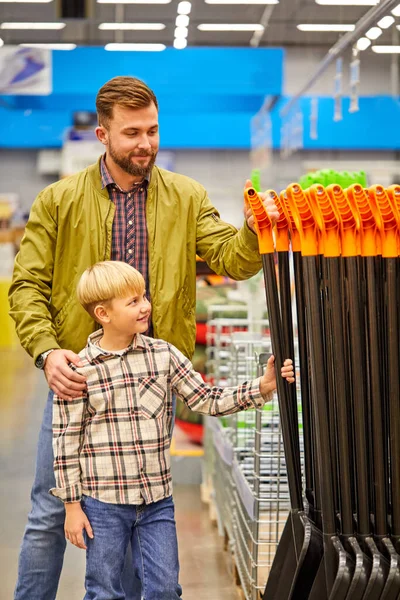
(30, 290)
(69, 421)
(188, 384)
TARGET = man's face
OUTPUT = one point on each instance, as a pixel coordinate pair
(132, 139)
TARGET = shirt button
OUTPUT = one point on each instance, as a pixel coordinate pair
(130, 250)
(140, 189)
(130, 223)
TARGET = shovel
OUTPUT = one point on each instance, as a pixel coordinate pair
(389, 219)
(368, 241)
(283, 206)
(349, 223)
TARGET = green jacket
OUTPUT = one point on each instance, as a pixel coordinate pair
(70, 228)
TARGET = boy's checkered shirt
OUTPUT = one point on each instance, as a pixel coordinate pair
(113, 442)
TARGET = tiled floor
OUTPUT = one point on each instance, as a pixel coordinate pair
(23, 392)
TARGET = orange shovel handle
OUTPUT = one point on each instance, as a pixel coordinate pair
(304, 220)
(262, 221)
(282, 224)
(349, 220)
(389, 220)
(370, 220)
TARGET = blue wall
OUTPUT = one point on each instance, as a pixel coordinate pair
(376, 126)
(207, 97)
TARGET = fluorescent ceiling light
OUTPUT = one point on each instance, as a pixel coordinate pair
(230, 27)
(386, 49)
(133, 1)
(135, 47)
(363, 43)
(242, 1)
(374, 33)
(347, 2)
(131, 26)
(182, 21)
(396, 11)
(184, 8)
(180, 43)
(386, 22)
(32, 26)
(334, 27)
(51, 46)
(26, 1)
(181, 32)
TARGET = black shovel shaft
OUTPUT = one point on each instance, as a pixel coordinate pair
(377, 420)
(287, 327)
(341, 395)
(319, 395)
(356, 355)
(275, 324)
(304, 374)
(318, 383)
(392, 299)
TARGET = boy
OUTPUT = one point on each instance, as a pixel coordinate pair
(111, 445)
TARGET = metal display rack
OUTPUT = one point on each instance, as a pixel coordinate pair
(244, 457)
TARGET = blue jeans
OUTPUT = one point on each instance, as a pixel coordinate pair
(151, 530)
(43, 546)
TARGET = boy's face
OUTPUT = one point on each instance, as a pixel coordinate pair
(129, 315)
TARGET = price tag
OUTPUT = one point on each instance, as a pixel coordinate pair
(354, 84)
(314, 119)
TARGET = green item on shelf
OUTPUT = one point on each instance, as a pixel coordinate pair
(329, 176)
(256, 179)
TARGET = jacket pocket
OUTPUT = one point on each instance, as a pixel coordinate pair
(152, 396)
(61, 314)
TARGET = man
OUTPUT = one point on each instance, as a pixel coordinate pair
(122, 208)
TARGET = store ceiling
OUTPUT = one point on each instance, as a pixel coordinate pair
(281, 30)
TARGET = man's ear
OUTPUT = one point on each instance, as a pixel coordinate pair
(101, 314)
(102, 134)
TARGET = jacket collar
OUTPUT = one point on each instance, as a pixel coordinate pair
(94, 174)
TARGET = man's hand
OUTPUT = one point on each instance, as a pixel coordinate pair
(75, 522)
(268, 380)
(64, 382)
(269, 204)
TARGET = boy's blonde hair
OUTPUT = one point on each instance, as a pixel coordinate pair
(107, 280)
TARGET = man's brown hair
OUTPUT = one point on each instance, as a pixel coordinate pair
(128, 92)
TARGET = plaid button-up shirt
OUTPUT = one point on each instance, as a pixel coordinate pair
(113, 442)
(129, 232)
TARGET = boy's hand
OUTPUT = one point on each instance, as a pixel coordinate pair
(65, 382)
(75, 522)
(269, 204)
(268, 380)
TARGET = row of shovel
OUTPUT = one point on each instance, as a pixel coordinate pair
(342, 536)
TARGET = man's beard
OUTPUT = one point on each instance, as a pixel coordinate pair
(126, 164)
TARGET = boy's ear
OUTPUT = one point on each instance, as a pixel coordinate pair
(101, 314)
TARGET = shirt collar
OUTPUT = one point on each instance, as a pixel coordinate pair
(107, 179)
(94, 353)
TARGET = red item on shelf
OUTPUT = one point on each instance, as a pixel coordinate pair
(193, 430)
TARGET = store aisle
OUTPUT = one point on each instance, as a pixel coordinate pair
(22, 398)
